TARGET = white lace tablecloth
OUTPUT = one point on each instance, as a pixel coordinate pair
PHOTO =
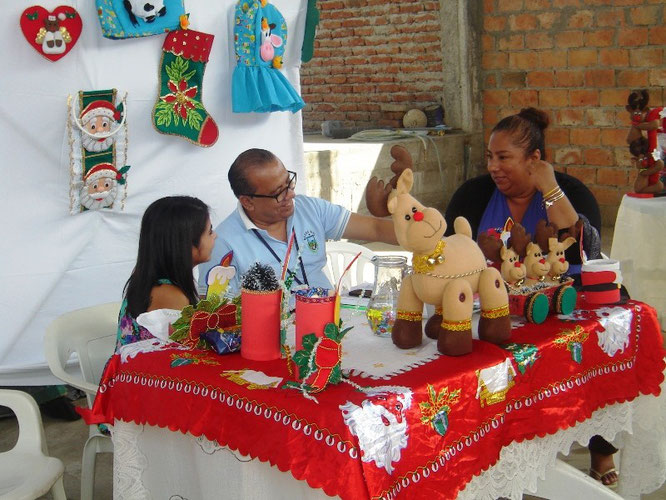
(639, 239)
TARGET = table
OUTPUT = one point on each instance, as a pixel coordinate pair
(517, 407)
(639, 243)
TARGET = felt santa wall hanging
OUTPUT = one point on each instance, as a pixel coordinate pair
(97, 136)
(135, 18)
(260, 39)
(179, 109)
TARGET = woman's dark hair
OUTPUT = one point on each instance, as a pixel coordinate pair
(638, 100)
(526, 129)
(242, 164)
(170, 227)
(639, 146)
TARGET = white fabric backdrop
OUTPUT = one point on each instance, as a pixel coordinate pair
(52, 262)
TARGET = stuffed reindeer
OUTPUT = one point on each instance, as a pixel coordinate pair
(513, 271)
(535, 263)
(446, 273)
(558, 263)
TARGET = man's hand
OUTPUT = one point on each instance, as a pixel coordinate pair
(376, 193)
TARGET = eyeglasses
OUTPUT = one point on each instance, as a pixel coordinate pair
(279, 197)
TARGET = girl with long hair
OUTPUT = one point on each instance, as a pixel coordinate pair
(176, 235)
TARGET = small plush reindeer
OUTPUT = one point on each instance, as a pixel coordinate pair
(513, 271)
(535, 263)
(556, 259)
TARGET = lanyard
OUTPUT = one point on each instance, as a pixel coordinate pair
(298, 251)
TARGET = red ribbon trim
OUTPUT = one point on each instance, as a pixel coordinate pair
(596, 278)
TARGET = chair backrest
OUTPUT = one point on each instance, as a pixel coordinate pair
(31, 431)
(338, 256)
(88, 333)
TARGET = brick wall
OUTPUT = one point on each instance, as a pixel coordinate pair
(373, 60)
(578, 60)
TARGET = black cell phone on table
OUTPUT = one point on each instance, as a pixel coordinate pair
(358, 292)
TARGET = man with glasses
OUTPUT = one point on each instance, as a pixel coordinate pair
(269, 211)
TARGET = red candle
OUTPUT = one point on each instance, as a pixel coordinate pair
(312, 314)
(260, 324)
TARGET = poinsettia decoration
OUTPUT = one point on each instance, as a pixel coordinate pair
(573, 340)
(435, 412)
(319, 361)
(180, 103)
(210, 314)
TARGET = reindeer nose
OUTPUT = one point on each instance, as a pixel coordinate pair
(418, 216)
(542, 261)
(516, 264)
(562, 260)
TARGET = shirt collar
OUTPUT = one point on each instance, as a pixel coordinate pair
(249, 225)
(245, 219)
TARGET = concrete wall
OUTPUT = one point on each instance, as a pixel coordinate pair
(338, 170)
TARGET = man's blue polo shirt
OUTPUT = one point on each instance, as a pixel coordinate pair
(314, 221)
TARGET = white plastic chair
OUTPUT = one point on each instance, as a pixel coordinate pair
(26, 471)
(338, 256)
(90, 333)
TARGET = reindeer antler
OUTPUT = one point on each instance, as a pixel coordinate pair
(490, 246)
(573, 231)
(544, 230)
(519, 240)
(376, 193)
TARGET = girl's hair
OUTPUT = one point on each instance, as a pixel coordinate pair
(526, 129)
(639, 146)
(170, 227)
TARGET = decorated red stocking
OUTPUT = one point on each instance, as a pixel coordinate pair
(179, 110)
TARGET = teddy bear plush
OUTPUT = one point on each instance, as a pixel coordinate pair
(447, 272)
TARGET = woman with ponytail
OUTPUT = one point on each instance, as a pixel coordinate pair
(522, 185)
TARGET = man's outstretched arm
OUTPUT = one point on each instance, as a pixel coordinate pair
(368, 228)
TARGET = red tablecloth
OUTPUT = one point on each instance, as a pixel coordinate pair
(557, 375)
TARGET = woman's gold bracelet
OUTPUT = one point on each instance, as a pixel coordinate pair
(553, 197)
(551, 192)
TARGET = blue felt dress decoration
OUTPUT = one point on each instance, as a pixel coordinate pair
(260, 38)
(138, 18)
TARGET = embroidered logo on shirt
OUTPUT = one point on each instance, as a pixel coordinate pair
(310, 239)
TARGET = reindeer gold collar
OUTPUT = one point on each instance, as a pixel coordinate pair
(426, 263)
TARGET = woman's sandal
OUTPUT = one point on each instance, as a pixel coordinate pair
(600, 477)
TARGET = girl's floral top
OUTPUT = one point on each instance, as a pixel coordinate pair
(129, 330)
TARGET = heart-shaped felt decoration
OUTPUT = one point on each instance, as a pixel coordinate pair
(52, 34)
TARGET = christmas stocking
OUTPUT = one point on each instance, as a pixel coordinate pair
(179, 110)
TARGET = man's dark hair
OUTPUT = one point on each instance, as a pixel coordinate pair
(241, 166)
(170, 227)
